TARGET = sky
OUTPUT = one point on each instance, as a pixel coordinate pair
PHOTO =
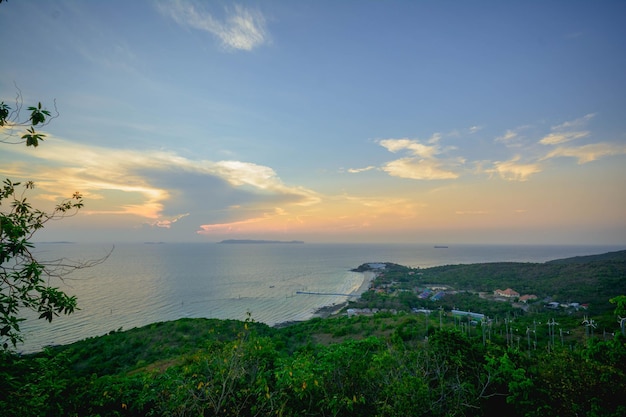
(436, 122)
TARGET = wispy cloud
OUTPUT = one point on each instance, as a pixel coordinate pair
(259, 177)
(573, 130)
(241, 29)
(233, 227)
(556, 138)
(422, 163)
(168, 222)
(513, 138)
(414, 146)
(358, 170)
(513, 170)
(588, 153)
(574, 124)
(117, 56)
(568, 131)
(418, 169)
(336, 214)
(508, 136)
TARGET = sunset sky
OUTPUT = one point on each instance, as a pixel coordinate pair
(434, 122)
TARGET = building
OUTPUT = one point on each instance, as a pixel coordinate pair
(474, 316)
(508, 293)
(527, 297)
(438, 296)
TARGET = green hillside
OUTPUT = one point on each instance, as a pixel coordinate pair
(591, 280)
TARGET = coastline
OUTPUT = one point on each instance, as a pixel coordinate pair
(334, 309)
(368, 277)
(331, 310)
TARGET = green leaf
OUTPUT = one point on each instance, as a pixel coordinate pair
(19, 269)
(32, 137)
(4, 113)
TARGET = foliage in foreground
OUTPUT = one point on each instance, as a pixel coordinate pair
(22, 276)
(24, 280)
(205, 367)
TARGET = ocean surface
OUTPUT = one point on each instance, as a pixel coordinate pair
(141, 284)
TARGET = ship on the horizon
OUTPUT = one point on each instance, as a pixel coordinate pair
(440, 247)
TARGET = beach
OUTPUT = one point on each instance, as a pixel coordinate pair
(368, 277)
(330, 310)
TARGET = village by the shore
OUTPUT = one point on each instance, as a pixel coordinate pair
(434, 292)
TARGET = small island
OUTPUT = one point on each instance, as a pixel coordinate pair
(259, 241)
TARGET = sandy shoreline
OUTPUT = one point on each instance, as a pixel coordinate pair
(330, 310)
(323, 312)
(368, 277)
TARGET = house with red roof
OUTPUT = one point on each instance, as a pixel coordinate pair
(508, 293)
(527, 297)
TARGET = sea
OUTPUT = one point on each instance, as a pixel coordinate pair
(143, 283)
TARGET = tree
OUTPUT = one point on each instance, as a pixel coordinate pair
(22, 283)
(25, 281)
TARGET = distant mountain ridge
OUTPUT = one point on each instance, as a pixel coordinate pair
(258, 241)
(592, 279)
(609, 256)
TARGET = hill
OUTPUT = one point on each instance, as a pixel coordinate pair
(591, 280)
(617, 256)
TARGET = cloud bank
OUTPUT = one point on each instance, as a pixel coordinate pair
(160, 187)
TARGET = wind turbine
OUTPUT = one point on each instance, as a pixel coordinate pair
(551, 325)
(528, 332)
(589, 323)
(622, 324)
(440, 317)
(508, 325)
(483, 326)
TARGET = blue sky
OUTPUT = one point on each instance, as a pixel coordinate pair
(354, 121)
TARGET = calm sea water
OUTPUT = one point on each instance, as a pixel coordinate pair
(141, 284)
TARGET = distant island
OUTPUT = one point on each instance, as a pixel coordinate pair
(258, 241)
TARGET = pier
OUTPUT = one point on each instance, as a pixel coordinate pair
(326, 293)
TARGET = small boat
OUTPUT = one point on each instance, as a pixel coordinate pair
(440, 247)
